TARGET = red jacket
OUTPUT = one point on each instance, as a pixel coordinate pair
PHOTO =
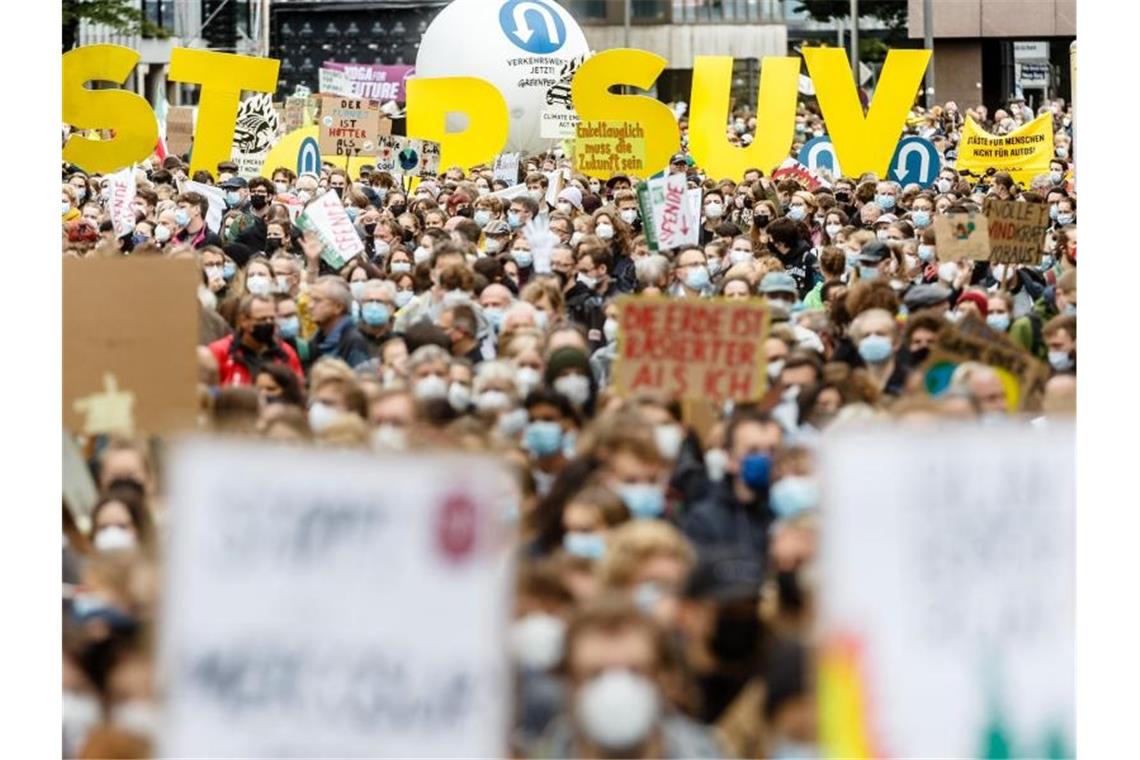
(232, 370)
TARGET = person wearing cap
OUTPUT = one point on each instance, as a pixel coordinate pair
(678, 164)
(618, 182)
(782, 293)
(237, 192)
(933, 296)
(875, 261)
(496, 235)
(972, 303)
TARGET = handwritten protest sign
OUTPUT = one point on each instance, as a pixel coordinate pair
(605, 148)
(129, 331)
(317, 617)
(1017, 231)
(179, 129)
(507, 168)
(675, 221)
(255, 132)
(349, 126)
(332, 82)
(1024, 152)
(122, 188)
(961, 236)
(1022, 376)
(412, 158)
(326, 217)
(295, 112)
(691, 348)
(932, 593)
(374, 81)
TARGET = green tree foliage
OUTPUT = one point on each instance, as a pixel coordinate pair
(122, 15)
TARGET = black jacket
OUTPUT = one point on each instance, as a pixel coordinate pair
(801, 265)
(721, 522)
(587, 307)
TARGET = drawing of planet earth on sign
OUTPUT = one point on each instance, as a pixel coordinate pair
(409, 159)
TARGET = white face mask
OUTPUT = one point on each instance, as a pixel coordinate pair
(574, 387)
(565, 207)
(610, 329)
(714, 210)
(258, 284)
(833, 229)
(389, 437)
(381, 248)
(138, 716)
(537, 639)
(716, 462)
(737, 256)
(947, 271)
(617, 709)
(321, 416)
(421, 254)
(629, 215)
(430, 387)
(775, 367)
(669, 439)
(527, 379)
(161, 233)
(576, 238)
(282, 283)
(492, 401)
(459, 396)
(493, 245)
(114, 538)
(604, 231)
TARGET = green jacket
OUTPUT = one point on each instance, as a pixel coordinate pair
(1027, 331)
(814, 299)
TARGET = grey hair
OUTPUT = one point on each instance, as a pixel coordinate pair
(387, 288)
(499, 369)
(338, 290)
(651, 269)
(427, 355)
(858, 325)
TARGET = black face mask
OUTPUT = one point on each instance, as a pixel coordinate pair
(339, 192)
(397, 208)
(258, 202)
(737, 635)
(761, 220)
(263, 333)
(370, 228)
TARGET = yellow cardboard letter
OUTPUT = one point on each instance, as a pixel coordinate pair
(594, 102)
(430, 100)
(865, 144)
(223, 76)
(776, 105)
(127, 114)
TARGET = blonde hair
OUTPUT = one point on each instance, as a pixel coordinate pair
(631, 545)
(536, 289)
(328, 368)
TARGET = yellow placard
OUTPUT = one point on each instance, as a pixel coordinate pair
(605, 148)
(776, 109)
(488, 122)
(865, 144)
(222, 76)
(593, 100)
(1024, 152)
(128, 115)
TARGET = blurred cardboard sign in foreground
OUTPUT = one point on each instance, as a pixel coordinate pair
(358, 613)
(130, 328)
(948, 593)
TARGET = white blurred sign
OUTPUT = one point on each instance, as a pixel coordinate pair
(335, 604)
(948, 596)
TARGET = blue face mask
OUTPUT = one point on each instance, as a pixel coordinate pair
(138, 239)
(495, 317)
(229, 269)
(352, 212)
(999, 322)
(868, 273)
(543, 438)
(585, 545)
(926, 252)
(1053, 211)
(513, 220)
(797, 213)
(182, 217)
(756, 470)
(402, 298)
(875, 349)
(852, 258)
(885, 202)
(792, 495)
(522, 257)
(921, 218)
(233, 199)
(374, 314)
(644, 501)
(289, 327)
(482, 217)
(697, 278)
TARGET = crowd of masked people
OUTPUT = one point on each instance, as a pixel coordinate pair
(665, 583)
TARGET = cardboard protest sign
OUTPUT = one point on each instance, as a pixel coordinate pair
(332, 82)
(1016, 230)
(295, 112)
(179, 129)
(325, 216)
(257, 128)
(374, 81)
(961, 236)
(317, 617)
(130, 327)
(507, 168)
(349, 126)
(412, 158)
(558, 124)
(1024, 152)
(605, 148)
(119, 206)
(691, 348)
(1022, 376)
(948, 593)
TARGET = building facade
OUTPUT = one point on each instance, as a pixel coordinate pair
(987, 51)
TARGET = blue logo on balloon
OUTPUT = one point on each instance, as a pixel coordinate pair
(818, 153)
(533, 26)
(916, 160)
(309, 157)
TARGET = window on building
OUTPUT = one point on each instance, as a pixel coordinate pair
(160, 13)
(725, 11)
(587, 10)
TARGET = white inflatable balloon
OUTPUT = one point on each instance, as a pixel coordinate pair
(528, 49)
